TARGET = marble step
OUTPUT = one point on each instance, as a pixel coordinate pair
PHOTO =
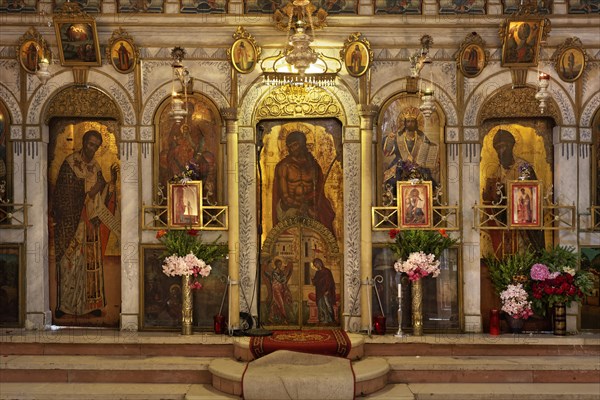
(445, 391)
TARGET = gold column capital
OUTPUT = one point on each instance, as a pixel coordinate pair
(367, 110)
(230, 113)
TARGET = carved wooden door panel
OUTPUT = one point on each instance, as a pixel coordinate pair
(300, 276)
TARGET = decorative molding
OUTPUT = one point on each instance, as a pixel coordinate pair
(590, 108)
(33, 133)
(585, 135)
(248, 228)
(146, 133)
(448, 107)
(352, 169)
(124, 101)
(352, 134)
(9, 97)
(16, 132)
(229, 113)
(152, 104)
(515, 103)
(246, 105)
(471, 135)
(298, 101)
(246, 134)
(452, 134)
(568, 134)
(82, 102)
(128, 133)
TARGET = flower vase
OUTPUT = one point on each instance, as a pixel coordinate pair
(515, 324)
(186, 305)
(560, 319)
(417, 307)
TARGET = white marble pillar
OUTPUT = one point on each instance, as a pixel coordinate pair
(34, 180)
(566, 192)
(130, 213)
(471, 268)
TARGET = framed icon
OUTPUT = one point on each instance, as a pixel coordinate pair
(570, 60)
(521, 41)
(416, 204)
(122, 52)
(12, 291)
(472, 57)
(357, 55)
(244, 52)
(525, 205)
(243, 56)
(33, 49)
(77, 38)
(184, 204)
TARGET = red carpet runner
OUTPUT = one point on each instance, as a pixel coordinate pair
(332, 342)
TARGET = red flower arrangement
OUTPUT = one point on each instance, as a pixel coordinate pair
(556, 288)
(564, 285)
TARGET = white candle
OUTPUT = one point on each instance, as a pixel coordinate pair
(399, 290)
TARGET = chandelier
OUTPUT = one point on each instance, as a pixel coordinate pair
(417, 61)
(181, 75)
(299, 63)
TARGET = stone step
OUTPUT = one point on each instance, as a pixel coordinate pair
(444, 391)
(514, 369)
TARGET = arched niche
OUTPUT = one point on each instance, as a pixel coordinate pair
(82, 102)
(194, 141)
(393, 153)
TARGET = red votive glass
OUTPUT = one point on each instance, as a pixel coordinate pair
(219, 324)
(494, 322)
(379, 324)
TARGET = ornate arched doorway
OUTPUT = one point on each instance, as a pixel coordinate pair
(84, 222)
(300, 209)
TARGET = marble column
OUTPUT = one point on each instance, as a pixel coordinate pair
(130, 213)
(35, 184)
(367, 113)
(231, 132)
(471, 158)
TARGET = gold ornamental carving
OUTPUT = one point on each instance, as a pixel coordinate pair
(299, 101)
(82, 102)
(516, 103)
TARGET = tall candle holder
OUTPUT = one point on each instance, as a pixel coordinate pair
(400, 334)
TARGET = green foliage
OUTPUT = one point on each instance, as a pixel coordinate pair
(184, 242)
(512, 268)
(413, 240)
(559, 257)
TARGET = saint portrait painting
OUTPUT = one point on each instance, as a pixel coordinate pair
(357, 58)
(190, 145)
(243, 55)
(84, 224)
(570, 64)
(409, 148)
(123, 56)
(521, 42)
(30, 54)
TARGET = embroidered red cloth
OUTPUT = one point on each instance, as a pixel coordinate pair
(329, 342)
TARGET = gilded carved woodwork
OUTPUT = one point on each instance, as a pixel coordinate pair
(298, 101)
(82, 102)
(516, 103)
